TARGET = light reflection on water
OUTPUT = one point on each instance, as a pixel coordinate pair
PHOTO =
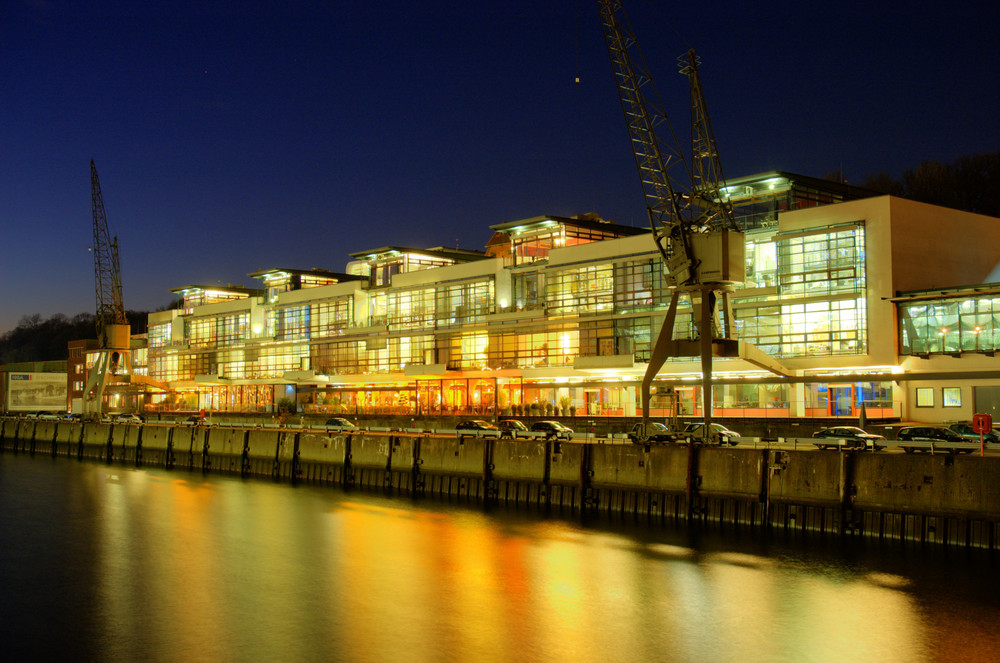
(107, 563)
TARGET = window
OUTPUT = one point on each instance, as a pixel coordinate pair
(951, 396)
(529, 290)
(588, 289)
(925, 397)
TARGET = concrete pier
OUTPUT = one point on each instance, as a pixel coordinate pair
(948, 499)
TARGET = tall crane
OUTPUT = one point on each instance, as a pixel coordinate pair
(113, 331)
(691, 218)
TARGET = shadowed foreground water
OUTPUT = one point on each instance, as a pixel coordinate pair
(107, 563)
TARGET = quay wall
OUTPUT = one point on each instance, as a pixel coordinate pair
(931, 498)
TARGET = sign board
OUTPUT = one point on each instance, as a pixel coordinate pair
(36, 391)
(982, 423)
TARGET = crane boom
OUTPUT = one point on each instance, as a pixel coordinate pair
(113, 332)
(706, 167)
(691, 221)
(643, 111)
(107, 269)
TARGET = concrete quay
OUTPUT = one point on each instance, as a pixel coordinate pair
(947, 499)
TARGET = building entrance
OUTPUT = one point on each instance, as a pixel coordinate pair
(841, 401)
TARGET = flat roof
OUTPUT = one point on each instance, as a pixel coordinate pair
(233, 289)
(459, 255)
(845, 189)
(592, 223)
(322, 273)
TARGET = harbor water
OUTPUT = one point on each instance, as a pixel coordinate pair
(110, 563)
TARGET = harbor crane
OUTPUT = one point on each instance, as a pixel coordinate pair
(113, 331)
(690, 215)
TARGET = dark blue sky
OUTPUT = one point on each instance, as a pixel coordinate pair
(237, 136)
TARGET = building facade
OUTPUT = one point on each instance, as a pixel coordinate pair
(558, 316)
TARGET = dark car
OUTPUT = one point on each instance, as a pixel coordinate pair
(928, 435)
(339, 422)
(552, 430)
(511, 428)
(719, 434)
(965, 430)
(653, 431)
(475, 428)
(854, 438)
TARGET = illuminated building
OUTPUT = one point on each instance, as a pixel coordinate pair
(558, 315)
(126, 392)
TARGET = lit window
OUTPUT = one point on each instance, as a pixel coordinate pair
(951, 396)
(925, 397)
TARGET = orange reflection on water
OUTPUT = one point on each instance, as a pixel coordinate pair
(222, 570)
(835, 619)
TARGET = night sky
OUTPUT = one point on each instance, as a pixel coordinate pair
(237, 136)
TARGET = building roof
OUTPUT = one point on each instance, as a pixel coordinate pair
(843, 189)
(589, 221)
(458, 255)
(233, 289)
(315, 271)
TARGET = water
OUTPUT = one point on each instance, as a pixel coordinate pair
(107, 563)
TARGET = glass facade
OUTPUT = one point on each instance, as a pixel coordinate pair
(818, 307)
(959, 322)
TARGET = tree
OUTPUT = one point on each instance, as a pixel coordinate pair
(35, 339)
(970, 183)
(883, 183)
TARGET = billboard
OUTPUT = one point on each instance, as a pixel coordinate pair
(35, 391)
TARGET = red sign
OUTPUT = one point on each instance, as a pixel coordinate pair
(982, 423)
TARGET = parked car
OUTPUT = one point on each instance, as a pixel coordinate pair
(339, 422)
(932, 434)
(719, 434)
(50, 416)
(553, 430)
(965, 430)
(474, 428)
(653, 431)
(511, 428)
(855, 438)
(194, 420)
(127, 418)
